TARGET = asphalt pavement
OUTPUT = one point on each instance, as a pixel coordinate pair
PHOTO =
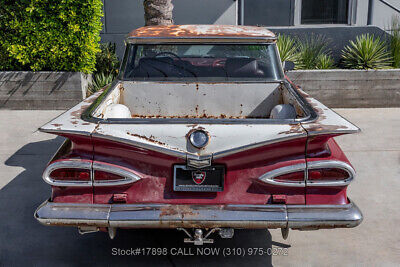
(375, 154)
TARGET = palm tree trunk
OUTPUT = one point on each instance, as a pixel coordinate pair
(158, 12)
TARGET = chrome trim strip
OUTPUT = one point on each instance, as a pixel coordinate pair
(301, 217)
(130, 177)
(71, 164)
(268, 177)
(331, 164)
(198, 161)
(54, 131)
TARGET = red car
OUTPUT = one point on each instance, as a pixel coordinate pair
(201, 132)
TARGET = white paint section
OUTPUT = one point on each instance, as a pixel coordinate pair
(70, 121)
(221, 100)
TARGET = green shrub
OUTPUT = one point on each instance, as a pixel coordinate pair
(395, 41)
(106, 59)
(50, 35)
(325, 62)
(311, 51)
(287, 48)
(366, 52)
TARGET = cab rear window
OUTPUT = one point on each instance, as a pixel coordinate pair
(216, 62)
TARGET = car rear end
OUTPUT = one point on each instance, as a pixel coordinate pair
(226, 167)
(270, 176)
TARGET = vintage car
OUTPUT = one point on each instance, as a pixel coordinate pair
(201, 132)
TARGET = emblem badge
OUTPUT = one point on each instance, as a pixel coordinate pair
(198, 177)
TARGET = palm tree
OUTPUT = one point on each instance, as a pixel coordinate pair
(158, 12)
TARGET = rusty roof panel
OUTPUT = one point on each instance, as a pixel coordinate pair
(202, 31)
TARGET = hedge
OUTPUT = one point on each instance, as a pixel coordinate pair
(54, 35)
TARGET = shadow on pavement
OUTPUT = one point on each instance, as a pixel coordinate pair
(24, 241)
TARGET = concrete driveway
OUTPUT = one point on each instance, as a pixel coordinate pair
(375, 153)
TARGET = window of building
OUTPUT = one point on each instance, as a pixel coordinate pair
(325, 11)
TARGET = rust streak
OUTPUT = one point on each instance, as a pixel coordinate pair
(295, 128)
(150, 139)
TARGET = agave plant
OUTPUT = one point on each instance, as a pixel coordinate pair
(99, 80)
(366, 52)
(395, 41)
(325, 61)
(311, 50)
(287, 48)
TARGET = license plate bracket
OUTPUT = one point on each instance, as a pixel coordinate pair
(208, 179)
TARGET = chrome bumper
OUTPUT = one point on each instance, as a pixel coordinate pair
(301, 217)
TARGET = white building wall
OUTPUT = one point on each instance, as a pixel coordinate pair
(382, 14)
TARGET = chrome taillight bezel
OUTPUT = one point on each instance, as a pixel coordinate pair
(306, 167)
(268, 177)
(70, 164)
(129, 176)
(334, 164)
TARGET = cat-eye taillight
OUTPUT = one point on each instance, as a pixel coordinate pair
(87, 173)
(314, 173)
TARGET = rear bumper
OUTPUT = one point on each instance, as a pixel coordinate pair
(302, 217)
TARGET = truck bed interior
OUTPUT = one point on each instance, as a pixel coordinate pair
(199, 100)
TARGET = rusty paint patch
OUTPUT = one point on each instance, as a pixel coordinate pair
(181, 210)
(150, 139)
(329, 128)
(294, 129)
(77, 113)
(173, 31)
(56, 124)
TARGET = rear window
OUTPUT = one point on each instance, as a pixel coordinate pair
(202, 62)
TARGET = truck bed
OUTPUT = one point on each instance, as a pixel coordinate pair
(199, 100)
